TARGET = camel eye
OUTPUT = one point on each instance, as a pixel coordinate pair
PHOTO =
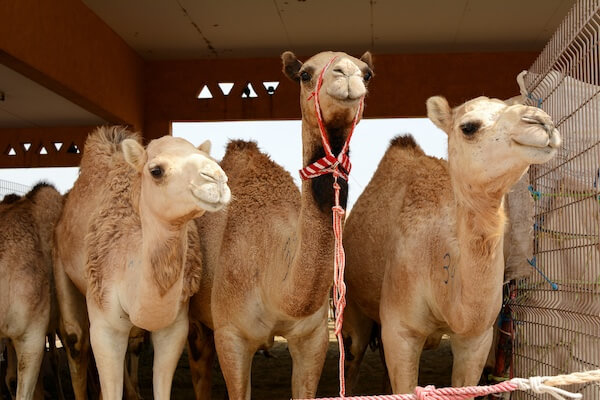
(469, 128)
(156, 171)
(305, 76)
(368, 76)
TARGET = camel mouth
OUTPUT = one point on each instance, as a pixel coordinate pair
(212, 207)
(537, 133)
(544, 147)
(211, 197)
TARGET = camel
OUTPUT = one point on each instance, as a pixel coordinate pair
(268, 257)
(26, 234)
(424, 241)
(121, 247)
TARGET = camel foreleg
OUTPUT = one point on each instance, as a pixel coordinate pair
(308, 356)
(168, 345)
(470, 354)
(109, 341)
(235, 358)
(403, 349)
(30, 352)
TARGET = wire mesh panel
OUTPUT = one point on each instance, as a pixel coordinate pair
(556, 311)
(7, 187)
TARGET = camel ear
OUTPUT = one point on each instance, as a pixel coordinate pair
(515, 100)
(205, 147)
(440, 113)
(291, 65)
(367, 58)
(134, 153)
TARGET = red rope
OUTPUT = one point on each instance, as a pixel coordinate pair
(330, 164)
(431, 393)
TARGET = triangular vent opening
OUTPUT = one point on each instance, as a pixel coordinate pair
(271, 87)
(205, 93)
(249, 91)
(73, 149)
(225, 88)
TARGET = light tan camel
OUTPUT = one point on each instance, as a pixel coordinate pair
(424, 241)
(26, 235)
(268, 258)
(122, 242)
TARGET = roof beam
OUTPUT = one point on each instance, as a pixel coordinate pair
(42, 147)
(64, 46)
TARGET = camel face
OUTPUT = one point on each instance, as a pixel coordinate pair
(178, 180)
(345, 82)
(489, 139)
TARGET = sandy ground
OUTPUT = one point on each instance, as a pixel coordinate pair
(271, 376)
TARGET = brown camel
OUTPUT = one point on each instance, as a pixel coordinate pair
(268, 258)
(424, 241)
(122, 243)
(26, 234)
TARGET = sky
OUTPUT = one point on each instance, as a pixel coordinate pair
(282, 141)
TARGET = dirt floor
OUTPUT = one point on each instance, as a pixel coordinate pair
(271, 376)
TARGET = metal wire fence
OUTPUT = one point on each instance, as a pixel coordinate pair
(556, 311)
(7, 187)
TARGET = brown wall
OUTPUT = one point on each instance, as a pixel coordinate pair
(401, 85)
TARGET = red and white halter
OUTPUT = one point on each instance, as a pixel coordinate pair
(330, 164)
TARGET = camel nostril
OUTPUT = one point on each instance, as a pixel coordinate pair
(208, 177)
(532, 119)
(339, 71)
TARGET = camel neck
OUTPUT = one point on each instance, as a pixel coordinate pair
(480, 268)
(309, 280)
(156, 292)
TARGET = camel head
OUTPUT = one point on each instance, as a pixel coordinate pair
(490, 143)
(178, 180)
(344, 83)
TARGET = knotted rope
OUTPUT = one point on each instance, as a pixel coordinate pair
(536, 384)
(330, 164)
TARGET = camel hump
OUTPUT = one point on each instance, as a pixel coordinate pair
(108, 138)
(406, 142)
(242, 145)
(39, 187)
(10, 198)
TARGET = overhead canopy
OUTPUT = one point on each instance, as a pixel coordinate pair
(69, 63)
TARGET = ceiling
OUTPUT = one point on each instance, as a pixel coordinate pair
(265, 28)
(186, 29)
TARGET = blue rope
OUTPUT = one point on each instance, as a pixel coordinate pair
(532, 262)
(536, 195)
(539, 101)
